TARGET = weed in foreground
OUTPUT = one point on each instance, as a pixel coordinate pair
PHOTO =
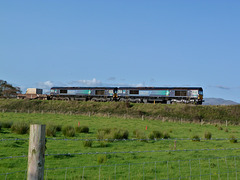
(207, 135)
(51, 130)
(195, 138)
(82, 129)
(233, 139)
(68, 131)
(87, 143)
(20, 128)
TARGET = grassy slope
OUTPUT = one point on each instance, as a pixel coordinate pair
(176, 130)
(154, 111)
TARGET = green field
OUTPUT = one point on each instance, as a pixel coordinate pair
(124, 159)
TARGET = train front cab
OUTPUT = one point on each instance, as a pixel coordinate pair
(200, 96)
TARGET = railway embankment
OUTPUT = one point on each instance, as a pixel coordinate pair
(172, 112)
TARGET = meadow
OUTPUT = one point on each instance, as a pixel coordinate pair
(178, 155)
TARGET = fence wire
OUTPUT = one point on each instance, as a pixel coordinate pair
(119, 140)
(202, 168)
(125, 152)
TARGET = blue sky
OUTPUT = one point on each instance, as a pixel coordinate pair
(122, 43)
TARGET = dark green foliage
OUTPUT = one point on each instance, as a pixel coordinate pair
(58, 128)
(112, 134)
(155, 135)
(226, 130)
(119, 134)
(101, 159)
(20, 128)
(105, 130)
(140, 135)
(0, 126)
(68, 131)
(7, 124)
(103, 144)
(220, 128)
(51, 130)
(87, 143)
(82, 129)
(195, 138)
(233, 139)
(207, 135)
(166, 135)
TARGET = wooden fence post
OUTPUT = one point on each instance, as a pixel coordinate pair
(36, 152)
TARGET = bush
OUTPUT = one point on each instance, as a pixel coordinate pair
(105, 130)
(140, 135)
(87, 143)
(119, 134)
(112, 134)
(155, 134)
(207, 135)
(20, 128)
(58, 128)
(0, 126)
(7, 124)
(220, 128)
(101, 159)
(226, 130)
(82, 129)
(68, 131)
(103, 144)
(51, 130)
(166, 135)
(233, 139)
(195, 138)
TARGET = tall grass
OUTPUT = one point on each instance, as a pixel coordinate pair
(20, 127)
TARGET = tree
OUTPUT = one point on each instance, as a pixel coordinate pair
(7, 90)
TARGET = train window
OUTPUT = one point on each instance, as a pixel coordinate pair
(110, 91)
(63, 91)
(134, 92)
(180, 93)
(200, 92)
(99, 92)
(120, 91)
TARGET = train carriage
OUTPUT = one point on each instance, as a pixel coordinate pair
(168, 95)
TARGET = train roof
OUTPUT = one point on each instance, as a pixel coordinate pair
(142, 88)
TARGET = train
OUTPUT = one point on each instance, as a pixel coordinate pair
(165, 95)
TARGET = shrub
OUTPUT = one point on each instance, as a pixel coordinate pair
(220, 128)
(51, 130)
(100, 135)
(7, 124)
(195, 138)
(140, 135)
(68, 131)
(101, 159)
(82, 129)
(112, 134)
(58, 128)
(226, 130)
(87, 143)
(20, 128)
(166, 135)
(155, 134)
(103, 144)
(119, 134)
(105, 130)
(0, 126)
(233, 139)
(207, 135)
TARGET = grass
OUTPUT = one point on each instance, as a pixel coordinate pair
(178, 112)
(133, 126)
